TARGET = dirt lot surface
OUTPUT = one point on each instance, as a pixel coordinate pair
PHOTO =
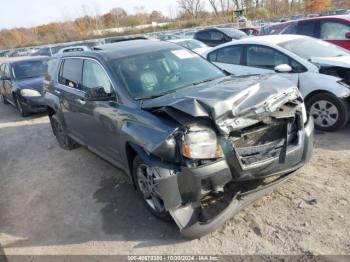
(58, 202)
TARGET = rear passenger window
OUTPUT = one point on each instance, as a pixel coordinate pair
(229, 55)
(70, 72)
(307, 28)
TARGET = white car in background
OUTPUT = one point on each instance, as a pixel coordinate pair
(321, 71)
(192, 44)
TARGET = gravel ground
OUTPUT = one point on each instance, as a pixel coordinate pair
(58, 202)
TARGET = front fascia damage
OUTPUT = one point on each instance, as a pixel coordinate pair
(201, 195)
(338, 67)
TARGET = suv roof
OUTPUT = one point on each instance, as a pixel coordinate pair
(125, 48)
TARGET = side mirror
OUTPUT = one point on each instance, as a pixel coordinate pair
(98, 94)
(347, 35)
(284, 68)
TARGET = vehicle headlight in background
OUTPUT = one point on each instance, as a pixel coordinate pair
(29, 92)
(201, 143)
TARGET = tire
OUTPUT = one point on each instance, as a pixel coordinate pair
(63, 139)
(3, 99)
(330, 112)
(157, 207)
(22, 110)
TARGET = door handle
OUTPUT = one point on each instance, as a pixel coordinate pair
(81, 101)
(57, 92)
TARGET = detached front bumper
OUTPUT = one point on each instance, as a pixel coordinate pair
(182, 193)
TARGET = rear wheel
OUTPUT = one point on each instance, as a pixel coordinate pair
(144, 177)
(63, 139)
(330, 113)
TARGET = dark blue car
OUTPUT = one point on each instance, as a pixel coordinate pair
(21, 83)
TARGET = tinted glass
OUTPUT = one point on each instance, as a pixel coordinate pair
(307, 28)
(331, 30)
(265, 57)
(229, 55)
(310, 47)
(205, 35)
(291, 29)
(164, 71)
(70, 73)
(233, 33)
(29, 69)
(95, 76)
(216, 36)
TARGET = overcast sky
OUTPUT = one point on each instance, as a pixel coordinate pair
(27, 13)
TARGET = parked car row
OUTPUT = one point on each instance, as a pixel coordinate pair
(197, 143)
(321, 71)
(333, 29)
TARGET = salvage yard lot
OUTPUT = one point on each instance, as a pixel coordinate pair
(58, 202)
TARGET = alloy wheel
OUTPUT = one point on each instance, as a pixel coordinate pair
(146, 181)
(325, 113)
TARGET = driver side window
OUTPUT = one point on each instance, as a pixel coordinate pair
(216, 35)
(95, 76)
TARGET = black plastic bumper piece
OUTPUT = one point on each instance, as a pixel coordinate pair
(34, 104)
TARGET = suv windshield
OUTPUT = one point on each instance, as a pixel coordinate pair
(157, 73)
(29, 69)
(309, 47)
(233, 33)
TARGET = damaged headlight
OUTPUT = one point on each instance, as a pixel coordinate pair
(201, 143)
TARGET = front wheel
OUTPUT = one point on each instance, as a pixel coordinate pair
(144, 177)
(330, 113)
(21, 109)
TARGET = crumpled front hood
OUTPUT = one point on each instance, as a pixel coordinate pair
(342, 61)
(232, 102)
(31, 83)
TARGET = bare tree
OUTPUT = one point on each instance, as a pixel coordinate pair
(214, 5)
(191, 7)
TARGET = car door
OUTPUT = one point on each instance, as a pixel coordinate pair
(229, 58)
(335, 32)
(71, 95)
(263, 60)
(101, 125)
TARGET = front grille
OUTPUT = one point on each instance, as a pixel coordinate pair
(262, 141)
